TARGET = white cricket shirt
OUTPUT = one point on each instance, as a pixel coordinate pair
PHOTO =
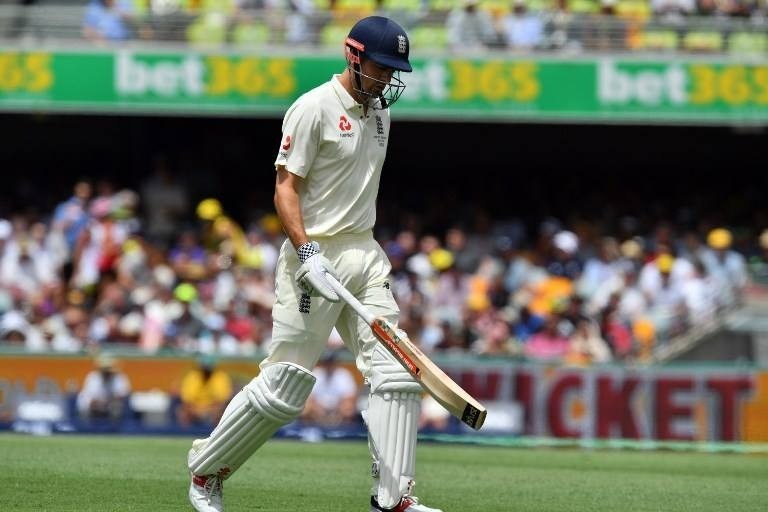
(339, 153)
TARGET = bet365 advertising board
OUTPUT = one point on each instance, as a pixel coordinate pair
(496, 87)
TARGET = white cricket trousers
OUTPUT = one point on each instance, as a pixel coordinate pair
(301, 330)
(300, 334)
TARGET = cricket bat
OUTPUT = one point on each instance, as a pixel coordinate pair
(449, 394)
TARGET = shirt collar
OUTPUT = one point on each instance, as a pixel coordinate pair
(347, 101)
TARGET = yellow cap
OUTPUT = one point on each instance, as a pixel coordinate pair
(222, 226)
(131, 245)
(209, 209)
(271, 224)
(664, 263)
(478, 302)
(185, 292)
(644, 330)
(441, 259)
(719, 238)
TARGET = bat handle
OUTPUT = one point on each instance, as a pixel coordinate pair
(350, 299)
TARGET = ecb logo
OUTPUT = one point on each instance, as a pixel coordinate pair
(402, 44)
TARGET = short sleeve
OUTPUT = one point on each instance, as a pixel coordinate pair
(301, 137)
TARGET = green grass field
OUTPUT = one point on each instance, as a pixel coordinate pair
(79, 473)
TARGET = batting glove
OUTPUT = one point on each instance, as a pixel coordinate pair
(311, 274)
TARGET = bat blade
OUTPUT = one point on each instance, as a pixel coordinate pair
(449, 394)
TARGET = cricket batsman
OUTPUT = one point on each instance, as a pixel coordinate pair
(328, 168)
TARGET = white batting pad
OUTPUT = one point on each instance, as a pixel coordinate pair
(392, 417)
(392, 422)
(269, 401)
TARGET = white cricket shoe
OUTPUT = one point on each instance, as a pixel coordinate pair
(206, 493)
(407, 504)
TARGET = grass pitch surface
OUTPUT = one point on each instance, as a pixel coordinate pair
(86, 473)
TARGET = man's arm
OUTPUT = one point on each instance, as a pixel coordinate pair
(288, 206)
(311, 275)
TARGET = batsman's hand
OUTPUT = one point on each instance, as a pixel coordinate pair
(311, 274)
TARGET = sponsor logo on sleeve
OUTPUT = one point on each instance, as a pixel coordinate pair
(285, 146)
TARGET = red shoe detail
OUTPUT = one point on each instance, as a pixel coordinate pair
(405, 502)
(199, 481)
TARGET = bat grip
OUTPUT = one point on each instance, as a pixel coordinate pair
(350, 299)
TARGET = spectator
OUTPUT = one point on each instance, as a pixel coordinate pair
(699, 294)
(758, 261)
(616, 333)
(495, 336)
(586, 345)
(99, 245)
(188, 258)
(185, 328)
(298, 22)
(651, 279)
(108, 20)
(466, 256)
(71, 216)
(559, 28)
(564, 261)
(604, 31)
(205, 392)
(726, 267)
(451, 287)
(631, 301)
(105, 391)
(672, 12)
(469, 27)
(523, 30)
(15, 330)
(602, 274)
(26, 267)
(549, 344)
(333, 400)
(257, 252)
(527, 324)
(667, 305)
(165, 202)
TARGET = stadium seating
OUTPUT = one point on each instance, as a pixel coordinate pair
(748, 42)
(658, 39)
(221, 22)
(333, 34)
(708, 41)
(249, 33)
(429, 37)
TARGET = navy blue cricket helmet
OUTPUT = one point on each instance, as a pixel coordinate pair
(384, 42)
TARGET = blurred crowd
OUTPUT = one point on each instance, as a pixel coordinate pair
(155, 271)
(458, 25)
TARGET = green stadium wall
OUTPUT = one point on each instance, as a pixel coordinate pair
(694, 90)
